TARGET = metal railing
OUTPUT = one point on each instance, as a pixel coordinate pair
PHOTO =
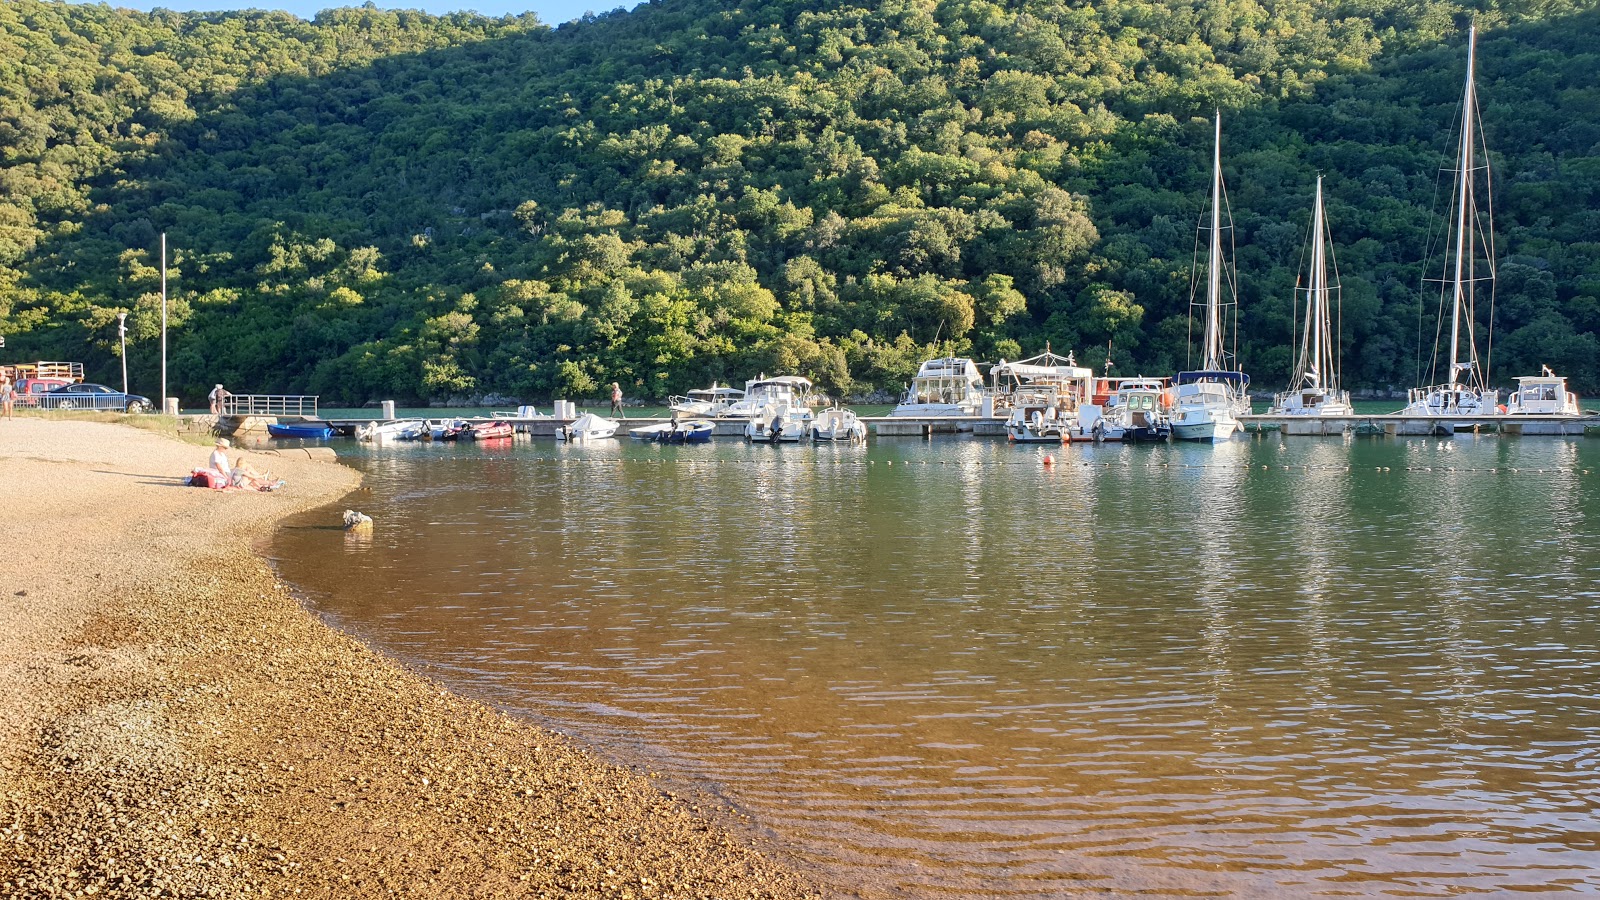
(270, 405)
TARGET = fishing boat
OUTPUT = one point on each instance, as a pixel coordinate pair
(1036, 417)
(1135, 410)
(1208, 401)
(1073, 384)
(1464, 393)
(946, 387)
(1314, 386)
(387, 431)
(588, 427)
(838, 424)
(1545, 394)
(710, 403)
(696, 432)
(785, 422)
(487, 431)
(317, 430)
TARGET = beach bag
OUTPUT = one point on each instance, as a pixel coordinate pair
(205, 478)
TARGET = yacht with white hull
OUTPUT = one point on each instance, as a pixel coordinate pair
(1314, 386)
(946, 387)
(1208, 401)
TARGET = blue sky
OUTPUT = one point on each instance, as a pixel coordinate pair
(552, 12)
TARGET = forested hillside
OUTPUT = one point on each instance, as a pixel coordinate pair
(392, 205)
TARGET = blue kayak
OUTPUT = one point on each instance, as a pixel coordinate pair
(302, 430)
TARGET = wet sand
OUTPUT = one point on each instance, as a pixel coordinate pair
(174, 723)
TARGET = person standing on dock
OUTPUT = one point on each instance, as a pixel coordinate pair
(217, 396)
(616, 399)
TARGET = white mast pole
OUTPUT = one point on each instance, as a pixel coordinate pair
(1317, 302)
(1463, 202)
(1213, 355)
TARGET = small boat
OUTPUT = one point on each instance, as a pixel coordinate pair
(650, 432)
(522, 412)
(687, 433)
(301, 430)
(389, 431)
(1035, 418)
(1543, 395)
(781, 422)
(712, 402)
(1135, 411)
(838, 424)
(487, 431)
(588, 427)
(452, 431)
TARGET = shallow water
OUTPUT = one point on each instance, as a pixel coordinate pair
(1274, 667)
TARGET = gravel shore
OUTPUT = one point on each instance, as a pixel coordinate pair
(174, 723)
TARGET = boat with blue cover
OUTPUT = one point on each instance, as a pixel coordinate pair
(315, 430)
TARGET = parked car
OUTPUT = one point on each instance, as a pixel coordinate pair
(93, 396)
(29, 390)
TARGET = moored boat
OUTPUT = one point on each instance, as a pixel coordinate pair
(712, 402)
(1036, 418)
(1545, 394)
(390, 431)
(697, 432)
(1135, 410)
(838, 424)
(487, 431)
(946, 387)
(784, 422)
(315, 430)
(1207, 401)
(1464, 393)
(1314, 386)
(588, 427)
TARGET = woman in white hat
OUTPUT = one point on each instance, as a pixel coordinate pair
(219, 458)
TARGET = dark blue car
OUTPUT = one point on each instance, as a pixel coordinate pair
(93, 396)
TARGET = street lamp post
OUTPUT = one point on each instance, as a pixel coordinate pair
(163, 321)
(122, 335)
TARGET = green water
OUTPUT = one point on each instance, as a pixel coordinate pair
(949, 668)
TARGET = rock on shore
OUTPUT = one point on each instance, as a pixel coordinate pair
(174, 723)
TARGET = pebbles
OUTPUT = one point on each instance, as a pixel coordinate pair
(180, 727)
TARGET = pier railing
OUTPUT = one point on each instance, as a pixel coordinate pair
(270, 405)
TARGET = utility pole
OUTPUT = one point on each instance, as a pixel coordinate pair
(122, 334)
(163, 322)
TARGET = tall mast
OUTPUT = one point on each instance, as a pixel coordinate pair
(1213, 353)
(1317, 295)
(1463, 277)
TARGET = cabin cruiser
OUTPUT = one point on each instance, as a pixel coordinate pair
(945, 387)
(710, 403)
(1134, 409)
(783, 421)
(1071, 383)
(1543, 395)
(1037, 417)
(762, 392)
(1206, 405)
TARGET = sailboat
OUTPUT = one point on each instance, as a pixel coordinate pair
(1465, 392)
(1208, 401)
(1314, 387)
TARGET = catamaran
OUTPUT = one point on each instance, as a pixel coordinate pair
(1465, 392)
(1314, 387)
(1208, 401)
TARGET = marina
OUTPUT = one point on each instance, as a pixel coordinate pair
(1262, 667)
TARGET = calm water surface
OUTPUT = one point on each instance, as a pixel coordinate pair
(1274, 667)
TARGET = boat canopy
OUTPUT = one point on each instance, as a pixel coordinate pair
(1046, 366)
(948, 367)
(713, 393)
(794, 381)
(1238, 378)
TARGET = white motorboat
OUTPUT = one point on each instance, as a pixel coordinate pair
(711, 403)
(650, 432)
(390, 431)
(1464, 394)
(1036, 418)
(947, 387)
(588, 427)
(1135, 410)
(838, 424)
(522, 412)
(1543, 395)
(759, 393)
(1314, 386)
(783, 421)
(1207, 401)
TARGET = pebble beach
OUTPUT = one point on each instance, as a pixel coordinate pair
(174, 723)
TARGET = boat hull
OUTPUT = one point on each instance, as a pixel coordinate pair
(315, 432)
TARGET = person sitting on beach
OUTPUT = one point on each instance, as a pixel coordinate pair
(218, 462)
(244, 476)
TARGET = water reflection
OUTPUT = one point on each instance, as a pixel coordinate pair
(948, 668)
